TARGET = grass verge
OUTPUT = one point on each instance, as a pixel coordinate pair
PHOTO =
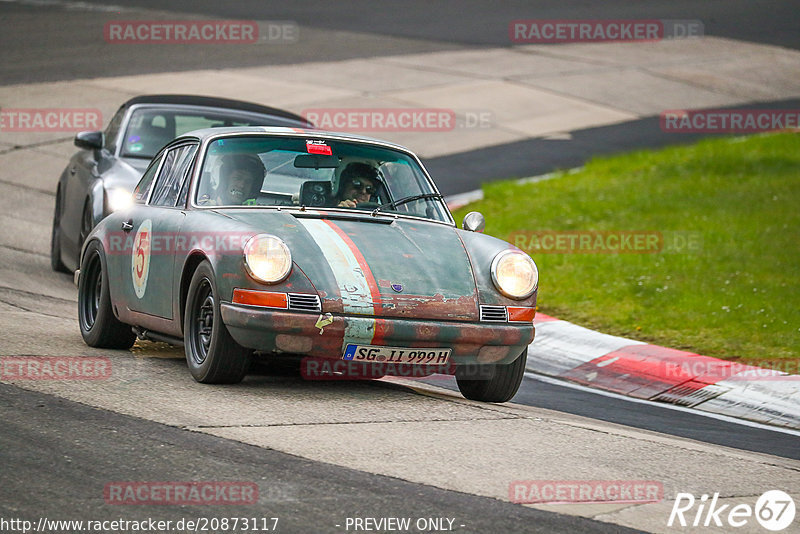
(722, 279)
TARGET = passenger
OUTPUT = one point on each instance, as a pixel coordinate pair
(357, 184)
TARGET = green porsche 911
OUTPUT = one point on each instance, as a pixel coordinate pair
(292, 242)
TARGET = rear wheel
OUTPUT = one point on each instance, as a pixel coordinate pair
(500, 384)
(55, 240)
(211, 353)
(99, 326)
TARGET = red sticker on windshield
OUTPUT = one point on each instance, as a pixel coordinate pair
(318, 147)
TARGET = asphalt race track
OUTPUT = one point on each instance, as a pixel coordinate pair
(63, 46)
(80, 448)
(323, 452)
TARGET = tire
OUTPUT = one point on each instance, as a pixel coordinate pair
(502, 385)
(212, 355)
(99, 326)
(55, 241)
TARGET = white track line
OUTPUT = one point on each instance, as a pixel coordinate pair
(719, 417)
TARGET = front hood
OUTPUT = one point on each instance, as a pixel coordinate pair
(124, 173)
(412, 269)
(140, 164)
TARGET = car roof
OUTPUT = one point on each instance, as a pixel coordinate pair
(209, 133)
(214, 102)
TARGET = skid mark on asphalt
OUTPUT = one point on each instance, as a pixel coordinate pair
(31, 302)
(14, 148)
(22, 250)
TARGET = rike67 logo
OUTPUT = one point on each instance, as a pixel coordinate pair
(774, 511)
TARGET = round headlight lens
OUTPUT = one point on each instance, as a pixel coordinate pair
(267, 258)
(515, 274)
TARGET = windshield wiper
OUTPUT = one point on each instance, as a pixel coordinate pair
(405, 200)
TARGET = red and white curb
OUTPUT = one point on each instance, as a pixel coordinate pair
(570, 352)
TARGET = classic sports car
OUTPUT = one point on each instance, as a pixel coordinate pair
(102, 175)
(299, 242)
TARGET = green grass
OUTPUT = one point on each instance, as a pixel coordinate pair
(735, 298)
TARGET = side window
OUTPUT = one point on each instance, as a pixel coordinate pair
(172, 175)
(112, 131)
(187, 179)
(142, 189)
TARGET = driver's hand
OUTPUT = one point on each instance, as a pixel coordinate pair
(347, 203)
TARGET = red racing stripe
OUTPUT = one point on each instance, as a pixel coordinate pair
(373, 286)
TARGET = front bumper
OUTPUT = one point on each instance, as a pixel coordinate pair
(308, 334)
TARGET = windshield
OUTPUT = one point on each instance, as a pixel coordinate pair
(297, 171)
(149, 129)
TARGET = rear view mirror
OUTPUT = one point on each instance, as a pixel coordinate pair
(474, 222)
(89, 140)
(316, 161)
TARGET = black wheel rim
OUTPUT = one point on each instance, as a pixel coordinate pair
(202, 321)
(91, 290)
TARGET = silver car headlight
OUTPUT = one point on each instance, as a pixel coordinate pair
(514, 274)
(267, 258)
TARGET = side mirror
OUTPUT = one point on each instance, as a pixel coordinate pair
(89, 140)
(474, 222)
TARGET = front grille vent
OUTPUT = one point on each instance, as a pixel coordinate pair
(301, 302)
(497, 314)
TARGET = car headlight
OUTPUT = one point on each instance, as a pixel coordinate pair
(515, 274)
(119, 199)
(267, 258)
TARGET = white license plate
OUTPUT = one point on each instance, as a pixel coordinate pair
(419, 356)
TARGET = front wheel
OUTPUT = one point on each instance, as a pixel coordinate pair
(211, 353)
(99, 326)
(501, 382)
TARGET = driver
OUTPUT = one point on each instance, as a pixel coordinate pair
(240, 180)
(358, 182)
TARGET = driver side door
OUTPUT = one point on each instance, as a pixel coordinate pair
(152, 227)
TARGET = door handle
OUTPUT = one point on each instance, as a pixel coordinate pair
(127, 226)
